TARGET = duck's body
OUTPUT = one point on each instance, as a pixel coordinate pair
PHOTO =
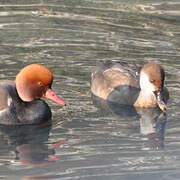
(15, 111)
(20, 101)
(130, 84)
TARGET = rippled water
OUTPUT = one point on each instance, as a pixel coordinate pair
(86, 141)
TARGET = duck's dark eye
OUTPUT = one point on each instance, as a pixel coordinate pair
(40, 84)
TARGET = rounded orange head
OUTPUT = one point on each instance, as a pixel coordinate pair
(34, 81)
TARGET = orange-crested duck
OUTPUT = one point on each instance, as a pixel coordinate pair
(20, 100)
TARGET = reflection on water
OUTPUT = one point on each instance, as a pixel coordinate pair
(29, 144)
(152, 120)
(71, 37)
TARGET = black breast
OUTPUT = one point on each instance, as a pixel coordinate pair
(20, 112)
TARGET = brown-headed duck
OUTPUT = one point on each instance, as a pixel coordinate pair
(129, 84)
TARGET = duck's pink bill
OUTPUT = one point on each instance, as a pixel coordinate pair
(50, 94)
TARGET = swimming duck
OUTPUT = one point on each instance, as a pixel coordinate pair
(20, 101)
(129, 84)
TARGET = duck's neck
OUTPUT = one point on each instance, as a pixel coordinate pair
(146, 99)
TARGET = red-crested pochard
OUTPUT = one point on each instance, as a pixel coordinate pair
(129, 84)
(20, 101)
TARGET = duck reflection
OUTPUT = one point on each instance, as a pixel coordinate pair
(152, 120)
(107, 107)
(29, 142)
(152, 126)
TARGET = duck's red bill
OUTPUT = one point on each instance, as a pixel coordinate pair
(50, 94)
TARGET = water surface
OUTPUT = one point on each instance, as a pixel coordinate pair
(93, 143)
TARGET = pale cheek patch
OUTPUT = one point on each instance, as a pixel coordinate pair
(145, 84)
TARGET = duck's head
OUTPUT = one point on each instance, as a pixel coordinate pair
(152, 80)
(34, 81)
